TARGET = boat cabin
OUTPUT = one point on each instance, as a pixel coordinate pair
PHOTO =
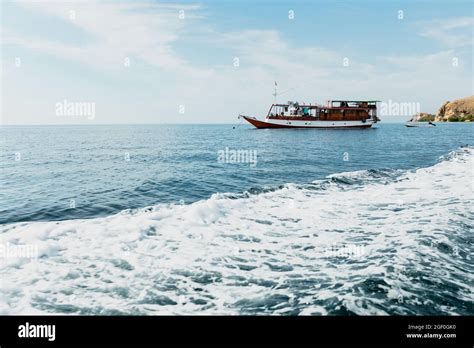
(334, 110)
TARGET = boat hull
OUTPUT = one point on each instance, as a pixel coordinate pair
(278, 123)
(419, 124)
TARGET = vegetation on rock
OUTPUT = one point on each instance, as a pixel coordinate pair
(460, 110)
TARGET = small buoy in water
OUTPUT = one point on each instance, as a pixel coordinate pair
(233, 127)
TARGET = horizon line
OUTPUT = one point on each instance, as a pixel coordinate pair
(139, 124)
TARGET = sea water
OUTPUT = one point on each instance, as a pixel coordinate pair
(145, 219)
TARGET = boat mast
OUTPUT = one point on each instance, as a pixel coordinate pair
(275, 92)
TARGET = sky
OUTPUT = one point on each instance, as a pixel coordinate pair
(208, 61)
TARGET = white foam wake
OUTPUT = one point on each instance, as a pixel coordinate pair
(295, 250)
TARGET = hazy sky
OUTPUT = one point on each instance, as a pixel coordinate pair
(206, 62)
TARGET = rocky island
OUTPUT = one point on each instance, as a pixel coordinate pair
(459, 110)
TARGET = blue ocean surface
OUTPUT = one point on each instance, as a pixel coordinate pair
(212, 219)
(106, 169)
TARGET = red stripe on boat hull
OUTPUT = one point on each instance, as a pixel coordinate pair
(262, 124)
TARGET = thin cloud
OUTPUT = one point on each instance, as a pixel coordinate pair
(451, 32)
(121, 30)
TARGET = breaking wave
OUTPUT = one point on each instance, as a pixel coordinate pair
(366, 242)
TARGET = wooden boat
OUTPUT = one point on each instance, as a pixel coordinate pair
(335, 114)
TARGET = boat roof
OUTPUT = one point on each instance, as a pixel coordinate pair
(330, 102)
(356, 101)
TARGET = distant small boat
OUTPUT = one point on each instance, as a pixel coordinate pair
(420, 124)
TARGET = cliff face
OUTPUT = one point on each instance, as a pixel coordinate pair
(457, 110)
